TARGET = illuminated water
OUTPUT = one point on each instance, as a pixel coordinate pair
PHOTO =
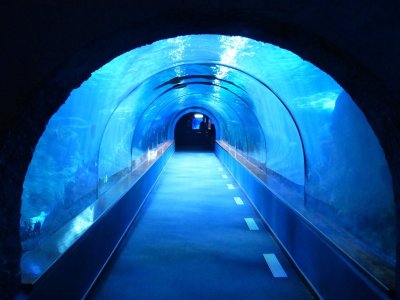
(271, 106)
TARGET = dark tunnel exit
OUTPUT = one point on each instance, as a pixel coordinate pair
(194, 131)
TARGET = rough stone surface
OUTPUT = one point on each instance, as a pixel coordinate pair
(51, 47)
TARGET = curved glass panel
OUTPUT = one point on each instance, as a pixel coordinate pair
(291, 123)
(115, 147)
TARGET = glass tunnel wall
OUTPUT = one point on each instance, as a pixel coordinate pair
(297, 129)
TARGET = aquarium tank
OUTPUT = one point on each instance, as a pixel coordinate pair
(293, 124)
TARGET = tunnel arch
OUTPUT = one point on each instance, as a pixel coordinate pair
(128, 108)
(316, 45)
(240, 71)
(234, 114)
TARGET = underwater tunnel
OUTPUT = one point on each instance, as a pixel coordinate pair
(289, 134)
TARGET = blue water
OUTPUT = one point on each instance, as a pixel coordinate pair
(274, 108)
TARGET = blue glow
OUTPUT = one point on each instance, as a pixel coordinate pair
(196, 123)
(285, 116)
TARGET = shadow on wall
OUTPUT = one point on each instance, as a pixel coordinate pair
(194, 131)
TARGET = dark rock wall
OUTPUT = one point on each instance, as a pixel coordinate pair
(49, 47)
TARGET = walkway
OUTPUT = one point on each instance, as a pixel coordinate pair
(198, 237)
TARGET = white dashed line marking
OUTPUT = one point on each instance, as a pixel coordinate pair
(274, 265)
(230, 186)
(251, 224)
(220, 169)
(238, 200)
(224, 176)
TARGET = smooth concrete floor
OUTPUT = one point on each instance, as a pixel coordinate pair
(191, 241)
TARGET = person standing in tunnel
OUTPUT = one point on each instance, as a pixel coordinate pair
(203, 127)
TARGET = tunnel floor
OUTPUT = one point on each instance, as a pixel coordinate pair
(194, 239)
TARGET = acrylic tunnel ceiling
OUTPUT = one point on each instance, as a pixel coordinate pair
(283, 114)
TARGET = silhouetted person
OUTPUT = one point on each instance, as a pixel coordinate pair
(203, 127)
(212, 131)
